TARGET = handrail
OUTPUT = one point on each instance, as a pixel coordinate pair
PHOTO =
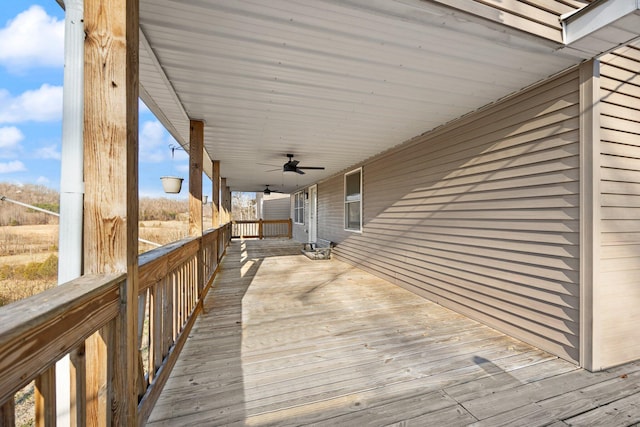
(262, 228)
(38, 331)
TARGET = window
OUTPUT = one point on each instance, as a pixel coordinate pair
(353, 200)
(298, 207)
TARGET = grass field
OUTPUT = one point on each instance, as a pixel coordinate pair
(26, 251)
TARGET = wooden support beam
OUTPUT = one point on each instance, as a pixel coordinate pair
(228, 202)
(215, 193)
(111, 201)
(224, 216)
(196, 139)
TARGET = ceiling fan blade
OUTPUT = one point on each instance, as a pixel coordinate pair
(299, 171)
(273, 170)
(267, 164)
(294, 163)
(311, 167)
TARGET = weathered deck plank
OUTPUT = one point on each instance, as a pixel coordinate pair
(284, 340)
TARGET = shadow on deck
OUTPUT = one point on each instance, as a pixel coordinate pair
(285, 340)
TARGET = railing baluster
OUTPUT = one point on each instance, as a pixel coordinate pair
(261, 228)
(156, 334)
(142, 311)
(167, 313)
(172, 280)
(45, 398)
(8, 413)
(78, 378)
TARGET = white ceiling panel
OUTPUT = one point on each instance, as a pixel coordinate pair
(333, 82)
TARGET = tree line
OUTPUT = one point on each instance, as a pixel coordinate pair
(151, 209)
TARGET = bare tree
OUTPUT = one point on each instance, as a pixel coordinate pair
(243, 206)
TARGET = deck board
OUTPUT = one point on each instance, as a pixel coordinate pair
(284, 340)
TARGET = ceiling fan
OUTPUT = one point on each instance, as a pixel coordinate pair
(268, 191)
(292, 166)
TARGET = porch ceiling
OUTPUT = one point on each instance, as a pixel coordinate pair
(333, 82)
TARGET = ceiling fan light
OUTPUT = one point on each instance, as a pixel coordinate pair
(288, 168)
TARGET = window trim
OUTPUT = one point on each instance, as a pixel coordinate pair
(344, 201)
(296, 208)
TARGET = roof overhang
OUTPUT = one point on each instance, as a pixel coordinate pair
(602, 26)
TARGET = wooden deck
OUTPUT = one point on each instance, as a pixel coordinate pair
(285, 340)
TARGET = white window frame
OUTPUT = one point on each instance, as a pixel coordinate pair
(345, 202)
(298, 208)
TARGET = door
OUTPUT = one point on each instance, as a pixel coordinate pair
(313, 213)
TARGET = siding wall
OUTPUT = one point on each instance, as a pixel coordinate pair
(481, 216)
(276, 206)
(618, 290)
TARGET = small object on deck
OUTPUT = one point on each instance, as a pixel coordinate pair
(320, 249)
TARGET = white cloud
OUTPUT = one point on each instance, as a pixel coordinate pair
(154, 142)
(43, 180)
(184, 168)
(10, 167)
(49, 152)
(32, 39)
(39, 105)
(10, 138)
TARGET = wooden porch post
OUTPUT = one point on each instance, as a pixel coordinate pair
(196, 137)
(223, 201)
(215, 193)
(227, 196)
(111, 202)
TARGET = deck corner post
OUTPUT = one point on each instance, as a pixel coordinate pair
(111, 202)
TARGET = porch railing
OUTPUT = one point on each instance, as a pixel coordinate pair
(262, 228)
(37, 332)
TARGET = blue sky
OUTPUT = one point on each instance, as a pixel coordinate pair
(31, 76)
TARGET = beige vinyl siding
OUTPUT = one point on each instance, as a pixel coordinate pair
(276, 207)
(539, 17)
(481, 215)
(618, 315)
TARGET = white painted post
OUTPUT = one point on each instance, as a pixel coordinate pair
(71, 179)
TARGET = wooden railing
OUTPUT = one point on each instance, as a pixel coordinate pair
(262, 228)
(37, 332)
